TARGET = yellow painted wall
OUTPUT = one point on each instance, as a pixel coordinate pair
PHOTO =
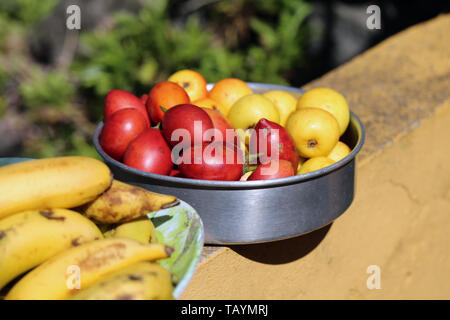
(400, 221)
(400, 218)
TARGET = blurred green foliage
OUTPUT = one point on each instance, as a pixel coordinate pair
(50, 88)
(254, 40)
(142, 49)
(26, 12)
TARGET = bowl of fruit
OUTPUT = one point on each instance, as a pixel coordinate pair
(259, 162)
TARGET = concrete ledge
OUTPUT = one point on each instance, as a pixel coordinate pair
(400, 219)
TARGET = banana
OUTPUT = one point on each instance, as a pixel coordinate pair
(29, 238)
(63, 182)
(141, 281)
(141, 230)
(82, 266)
(123, 202)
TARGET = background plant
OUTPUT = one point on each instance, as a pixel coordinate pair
(51, 109)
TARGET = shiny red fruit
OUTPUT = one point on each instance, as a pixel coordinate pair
(144, 99)
(120, 99)
(149, 152)
(223, 126)
(266, 135)
(119, 130)
(174, 173)
(274, 169)
(190, 121)
(215, 161)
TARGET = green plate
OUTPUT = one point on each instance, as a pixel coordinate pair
(179, 227)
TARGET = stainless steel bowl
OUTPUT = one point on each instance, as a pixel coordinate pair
(240, 212)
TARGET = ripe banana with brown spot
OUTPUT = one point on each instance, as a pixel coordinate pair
(62, 182)
(29, 238)
(123, 202)
(141, 281)
(141, 230)
(80, 267)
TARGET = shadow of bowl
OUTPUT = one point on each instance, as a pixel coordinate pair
(283, 251)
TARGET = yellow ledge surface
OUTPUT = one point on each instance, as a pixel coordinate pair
(400, 218)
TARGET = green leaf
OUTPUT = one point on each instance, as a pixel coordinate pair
(181, 228)
(265, 32)
(46, 89)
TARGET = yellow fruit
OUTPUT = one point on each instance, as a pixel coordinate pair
(314, 131)
(314, 164)
(56, 278)
(140, 281)
(248, 110)
(228, 91)
(64, 182)
(245, 176)
(211, 104)
(284, 101)
(123, 202)
(301, 162)
(328, 100)
(141, 230)
(29, 238)
(192, 82)
(339, 152)
(244, 137)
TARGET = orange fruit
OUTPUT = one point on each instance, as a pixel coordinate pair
(165, 94)
(210, 104)
(228, 91)
(191, 81)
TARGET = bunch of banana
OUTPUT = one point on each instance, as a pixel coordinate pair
(141, 229)
(141, 281)
(123, 202)
(87, 263)
(63, 182)
(29, 238)
(37, 230)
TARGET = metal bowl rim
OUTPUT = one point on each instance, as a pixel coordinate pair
(240, 184)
